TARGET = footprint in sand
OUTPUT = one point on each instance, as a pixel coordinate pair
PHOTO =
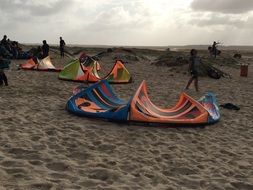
(107, 148)
(21, 153)
(103, 174)
(36, 162)
(183, 171)
(15, 170)
(11, 163)
(58, 166)
(77, 155)
(64, 176)
(242, 185)
(91, 183)
(35, 138)
(51, 132)
(41, 186)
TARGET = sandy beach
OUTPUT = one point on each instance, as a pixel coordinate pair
(42, 146)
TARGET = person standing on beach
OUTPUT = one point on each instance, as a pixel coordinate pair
(3, 78)
(3, 65)
(194, 67)
(6, 44)
(4, 41)
(62, 45)
(45, 49)
(214, 48)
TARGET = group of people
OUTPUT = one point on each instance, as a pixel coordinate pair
(45, 48)
(11, 50)
(43, 51)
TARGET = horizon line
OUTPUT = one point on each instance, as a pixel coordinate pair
(111, 45)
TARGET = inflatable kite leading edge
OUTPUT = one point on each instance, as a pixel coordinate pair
(87, 71)
(100, 101)
(75, 70)
(42, 65)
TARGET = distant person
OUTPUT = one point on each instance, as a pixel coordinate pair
(214, 48)
(62, 45)
(45, 49)
(4, 41)
(6, 44)
(36, 52)
(3, 65)
(194, 67)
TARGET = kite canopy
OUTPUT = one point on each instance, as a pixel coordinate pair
(100, 101)
(88, 71)
(118, 74)
(29, 65)
(41, 65)
(75, 70)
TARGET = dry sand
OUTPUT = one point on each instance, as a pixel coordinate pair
(42, 146)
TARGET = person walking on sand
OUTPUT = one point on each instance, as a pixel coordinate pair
(62, 45)
(45, 49)
(194, 67)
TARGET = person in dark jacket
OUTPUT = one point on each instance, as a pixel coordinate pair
(3, 65)
(4, 41)
(62, 45)
(45, 49)
(214, 49)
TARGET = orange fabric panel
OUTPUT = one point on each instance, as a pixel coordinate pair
(30, 64)
(187, 110)
(89, 107)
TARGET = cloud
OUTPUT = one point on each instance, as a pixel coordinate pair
(212, 19)
(120, 17)
(28, 14)
(223, 6)
(34, 8)
(123, 22)
(120, 22)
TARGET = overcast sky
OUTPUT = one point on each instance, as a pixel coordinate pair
(128, 22)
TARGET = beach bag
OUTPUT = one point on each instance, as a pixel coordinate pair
(213, 74)
(230, 106)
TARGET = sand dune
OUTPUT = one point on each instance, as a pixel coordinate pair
(42, 146)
